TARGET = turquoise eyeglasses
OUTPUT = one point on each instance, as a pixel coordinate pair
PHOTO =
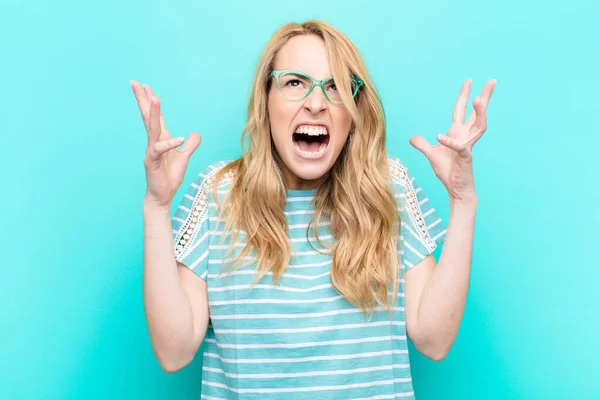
(296, 85)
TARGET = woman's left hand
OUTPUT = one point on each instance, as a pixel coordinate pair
(452, 158)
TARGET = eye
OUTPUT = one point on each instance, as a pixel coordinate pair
(294, 83)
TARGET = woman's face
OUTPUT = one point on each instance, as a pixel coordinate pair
(306, 158)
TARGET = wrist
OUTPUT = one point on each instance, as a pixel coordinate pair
(150, 206)
(464, 203)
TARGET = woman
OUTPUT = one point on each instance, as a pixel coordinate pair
(305, 265)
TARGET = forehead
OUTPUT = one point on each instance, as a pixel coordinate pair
(305, 53)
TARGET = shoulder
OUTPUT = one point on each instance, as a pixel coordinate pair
(206, 178)
(399, 177)
(213, 181)
(405, 188)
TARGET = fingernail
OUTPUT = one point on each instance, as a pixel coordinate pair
(180, 139)
(441, 137)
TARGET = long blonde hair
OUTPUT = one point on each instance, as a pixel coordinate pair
(354, 197)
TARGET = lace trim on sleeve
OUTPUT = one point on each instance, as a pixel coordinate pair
(197, 215)
(399, 175)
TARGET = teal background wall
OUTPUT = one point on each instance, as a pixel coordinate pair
(72, 321)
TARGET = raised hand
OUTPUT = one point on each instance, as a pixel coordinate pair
(165, 164)
(451, 160)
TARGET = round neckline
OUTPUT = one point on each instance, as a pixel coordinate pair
(300, 192)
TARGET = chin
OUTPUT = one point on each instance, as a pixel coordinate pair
(305, 170)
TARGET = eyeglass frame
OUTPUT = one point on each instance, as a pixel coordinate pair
(278, 72)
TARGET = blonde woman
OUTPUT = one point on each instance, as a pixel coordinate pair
(306, 265)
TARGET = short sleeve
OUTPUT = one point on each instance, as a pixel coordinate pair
(422, 229)
(191, 233)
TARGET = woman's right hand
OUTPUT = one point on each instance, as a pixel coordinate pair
(165, 163)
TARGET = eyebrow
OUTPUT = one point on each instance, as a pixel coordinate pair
(296, 74)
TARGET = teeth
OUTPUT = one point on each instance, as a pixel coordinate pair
(312, 153)
(311, 130)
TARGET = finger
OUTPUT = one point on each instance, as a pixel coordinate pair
(460, 108)
(480, 119)
(159, 148)
(154, 131)
(461, 148)
(149, 94)
(142, 101)
(419, 143)
(191, 144)
(486, 94)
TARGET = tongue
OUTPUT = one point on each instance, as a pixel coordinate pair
(309, 146)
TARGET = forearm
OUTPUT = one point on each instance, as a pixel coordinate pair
(442, 302)
(167, 308)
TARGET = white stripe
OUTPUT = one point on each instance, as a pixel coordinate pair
(404, 224)
(178, 220)
(285, 275)
(304, 359)
(408, 246)
(387, 396)
(312, 329)
(292, 199)
(306, 374)
(274, 301)
(434, 223)
(203, 396)
(198, 261)
(312, 238)
(217, 220)
(291, 266)
(228, 233)
(227, 260)
(425, 200)
(439, 235)
(307, 253)
(307, 389)
(242, 244)
(306, 344)
(187, 210)
(300, 212)
(272, 287)
(313, 265)
(197, 242)
(304, 315)
(242, 234)
(225, 246)
(428, 212)
(279, 301)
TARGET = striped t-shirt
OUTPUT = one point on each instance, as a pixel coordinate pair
(300, 339)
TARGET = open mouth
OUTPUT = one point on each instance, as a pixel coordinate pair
(311, 140)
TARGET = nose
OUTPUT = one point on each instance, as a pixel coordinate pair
(315, 102)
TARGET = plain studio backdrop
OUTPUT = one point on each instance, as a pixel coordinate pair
(72, 323)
